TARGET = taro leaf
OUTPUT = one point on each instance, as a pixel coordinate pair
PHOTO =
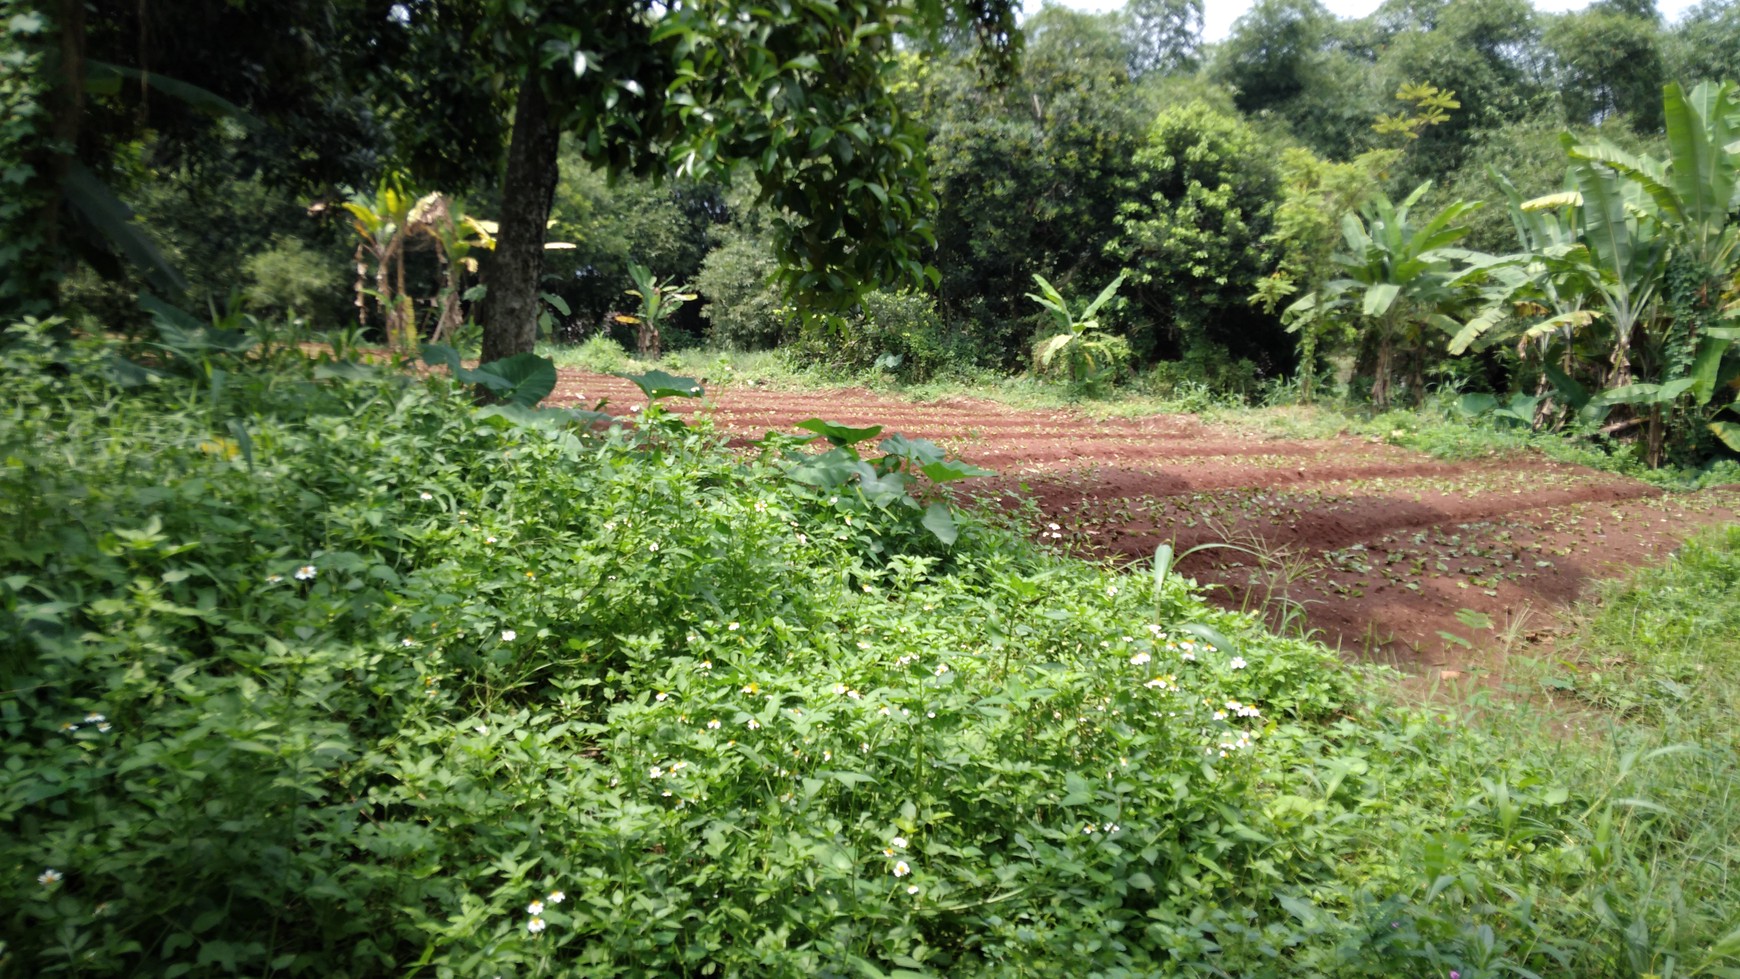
(918, 452)
(180, 333)
(950, 470)
(656, 384)
(941, 523)
(529, 378)
(545, 419)
(1471, 405)
(523, 379)
(1208, 634)
(884, 488)
(837, 434)
(829, 470)
(560, 304)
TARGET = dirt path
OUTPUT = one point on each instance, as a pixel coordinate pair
(1382, 550)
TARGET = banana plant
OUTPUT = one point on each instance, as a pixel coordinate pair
(1397, 278)
(658, 300)
(1087, 352)
(381, 221)
(456, 236)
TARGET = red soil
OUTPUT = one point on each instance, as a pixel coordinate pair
(1377, 547)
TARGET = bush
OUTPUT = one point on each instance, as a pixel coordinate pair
(744, 307)
(289, 278)
(320, 670)
(1205, 375)
(900, 333)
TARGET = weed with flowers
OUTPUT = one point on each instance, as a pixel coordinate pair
(315, 669)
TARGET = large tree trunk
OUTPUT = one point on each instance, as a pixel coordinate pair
(509, 311)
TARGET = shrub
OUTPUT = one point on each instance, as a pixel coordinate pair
(289, 278)
(744, 308)
(899, 333)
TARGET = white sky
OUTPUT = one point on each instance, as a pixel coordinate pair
(1218, 15)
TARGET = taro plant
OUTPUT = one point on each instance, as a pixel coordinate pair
(887, 482)
(1089, 354)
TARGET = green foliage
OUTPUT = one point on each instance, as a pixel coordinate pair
(1402, 286)
(318, 670)
(1089, 355)
(1623, 279)
(25, 245)
(1609, 63)
(1316, 196)
(658, 301)
(1191, 234)
(1705, 44)
(1029, 176)
(897, 334)
(744, 308)
(613, 224)
(289, 278)
(600, 354)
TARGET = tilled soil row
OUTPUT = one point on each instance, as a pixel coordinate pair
(1379, 549)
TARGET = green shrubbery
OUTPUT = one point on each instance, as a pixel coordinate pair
(319, 670)
(900, 333)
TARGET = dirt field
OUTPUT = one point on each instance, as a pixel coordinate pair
(1382, 550)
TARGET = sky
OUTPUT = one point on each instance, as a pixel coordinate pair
(1218, 15)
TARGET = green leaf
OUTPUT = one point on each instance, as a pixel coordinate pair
(656, 384)
(838, 434)
(1728, 432)
(950, 470)
(941, 523)
(528, 378)
(105, 212)
(557, 302)
(917, 452)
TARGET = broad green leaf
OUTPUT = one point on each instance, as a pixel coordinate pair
(1728, 432)
(917, 452)
(950, 470)
(941, 523)
(528, 378)
(656, 384)
(838, 434)
(1707, 366)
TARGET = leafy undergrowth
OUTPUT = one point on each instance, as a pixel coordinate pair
(318, 670)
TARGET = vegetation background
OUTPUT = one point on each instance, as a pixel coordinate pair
(311, 667)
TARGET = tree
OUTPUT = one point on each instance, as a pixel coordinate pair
(152, 86)
(1163, 35)
(1191, 232)
(1273, 48)
(1029, 175)
(799, 94)
(1705, 44)
(1609, 63)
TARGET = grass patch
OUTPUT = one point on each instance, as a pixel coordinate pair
(317, 669)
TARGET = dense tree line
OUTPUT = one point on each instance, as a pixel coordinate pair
(860, 193)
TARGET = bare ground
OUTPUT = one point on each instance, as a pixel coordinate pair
(1386, 552)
